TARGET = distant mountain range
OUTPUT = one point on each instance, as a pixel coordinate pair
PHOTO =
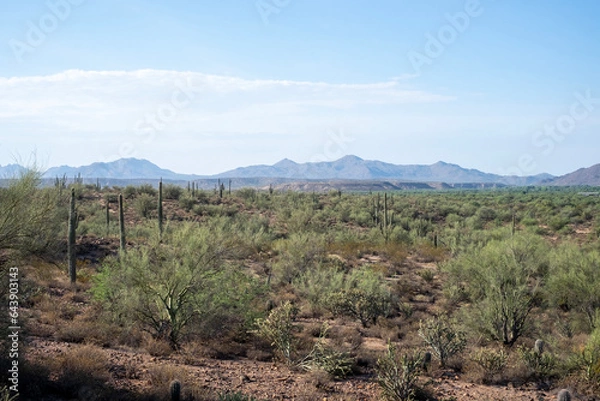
(130, 169)
(583, 176)
(349, 171)
(355, 168)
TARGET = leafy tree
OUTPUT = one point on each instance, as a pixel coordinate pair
(30, 218)
(501, 280)
(167, 287)
(574, 281)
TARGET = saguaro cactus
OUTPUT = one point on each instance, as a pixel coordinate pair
(71, 242)
(175, 389)
(121, 223)
(538, 347)
(160, 208)
(564, 395)
(107, 217)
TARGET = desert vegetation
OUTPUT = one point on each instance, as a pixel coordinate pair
(138, 292)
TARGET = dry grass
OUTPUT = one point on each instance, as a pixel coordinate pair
(83, 370)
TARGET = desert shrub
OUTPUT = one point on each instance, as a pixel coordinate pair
(177, 285)
(574, 282)
(499, 279)
(316, 284)
(145, 204)
(492, 362)
(397, 375)
(443, 338)
(161, 376)
(31, 219)
(278, 328)
(427, 275)
(83, 367)
(130, 192)
(171, 191)
(247, 194)
(486, 214)
(147, 189)
(297, 254)
(236, 396)
(365, 297)
(338, 364)
(586, 362)
(187, 202)
(540, 365)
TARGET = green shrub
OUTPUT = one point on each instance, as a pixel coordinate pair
(147, 189)
(443, 338)
(491, 361)
(237, 396)
(171, 191)
(587, 361)
(187, 202)
(178, 285)
(500, 281)
(397, 375)
(574, 282)
(144, 205)
(130, 192)
(337, 364)
(297, 254)
(278, 328)
(316, 285)
(541, 365)
(31, 219)
(365, 297)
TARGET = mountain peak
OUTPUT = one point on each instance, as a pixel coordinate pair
(350, 158)
(285, 162)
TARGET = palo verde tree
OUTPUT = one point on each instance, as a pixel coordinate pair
(167, 287)
(501, 281)
(574, 281)
(29, 215)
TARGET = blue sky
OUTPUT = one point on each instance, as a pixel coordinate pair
(206, 86)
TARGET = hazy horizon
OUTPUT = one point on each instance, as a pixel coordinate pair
(206, 87)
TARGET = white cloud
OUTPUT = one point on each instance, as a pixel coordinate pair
(136, 113)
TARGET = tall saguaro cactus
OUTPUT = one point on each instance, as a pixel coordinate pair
(107, 218)
(71, 239)
(121, 223)
(160, 208)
